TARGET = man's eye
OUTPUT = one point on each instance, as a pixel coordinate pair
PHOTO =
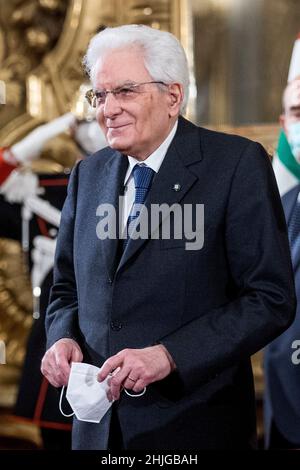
(126, 91)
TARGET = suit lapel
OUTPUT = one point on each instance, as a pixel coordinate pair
(183, 151)
(296, 256)
(111, 187)
(289, 201)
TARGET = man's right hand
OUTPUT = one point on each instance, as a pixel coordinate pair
(56, 363)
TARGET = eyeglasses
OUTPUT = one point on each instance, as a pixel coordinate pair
(122, 93)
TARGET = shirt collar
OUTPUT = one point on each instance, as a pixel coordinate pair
(156, 158)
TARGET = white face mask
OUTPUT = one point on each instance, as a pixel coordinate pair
(90, 137)
(87, 396)
(294, 139)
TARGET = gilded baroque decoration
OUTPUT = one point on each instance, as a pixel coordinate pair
(15, 315)
(41, 65)
(29, 29)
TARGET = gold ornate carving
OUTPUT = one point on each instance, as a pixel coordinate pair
(25, 44)
(41, 65)
(15, 315)
(15, 299)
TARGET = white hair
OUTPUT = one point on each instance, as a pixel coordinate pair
(164, 56)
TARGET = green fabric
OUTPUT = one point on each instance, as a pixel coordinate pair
(286, 157)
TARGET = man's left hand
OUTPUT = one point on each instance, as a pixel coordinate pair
(136, 368)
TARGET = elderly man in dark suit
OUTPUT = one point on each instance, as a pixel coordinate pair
(181, 321)
(282, 370)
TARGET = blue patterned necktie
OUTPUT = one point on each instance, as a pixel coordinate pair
(294, 229)
(143, 176)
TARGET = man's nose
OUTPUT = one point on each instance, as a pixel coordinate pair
(111, 106)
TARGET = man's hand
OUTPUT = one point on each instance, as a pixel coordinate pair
(137, 368)
(56, 363)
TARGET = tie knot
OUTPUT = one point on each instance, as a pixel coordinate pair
(142, 176)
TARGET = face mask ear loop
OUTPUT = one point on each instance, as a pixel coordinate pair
(60, 402)
(136, 394)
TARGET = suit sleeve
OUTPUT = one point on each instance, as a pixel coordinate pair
(62, 312)
(258, 256)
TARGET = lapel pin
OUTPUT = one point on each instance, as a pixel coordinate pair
(176, 187)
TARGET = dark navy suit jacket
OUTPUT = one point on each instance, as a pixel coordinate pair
(212, 308)
(282, 394)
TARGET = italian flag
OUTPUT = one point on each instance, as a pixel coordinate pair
(286, 168)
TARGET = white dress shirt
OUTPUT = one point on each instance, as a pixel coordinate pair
(154, 161)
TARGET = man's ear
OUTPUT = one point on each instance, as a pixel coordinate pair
(175, 98)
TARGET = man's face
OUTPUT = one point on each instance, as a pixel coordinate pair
(136, 125)
(292, 105)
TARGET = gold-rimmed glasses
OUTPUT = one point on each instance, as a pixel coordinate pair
(122, 93)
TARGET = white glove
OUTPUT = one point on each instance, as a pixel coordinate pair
(20, 185)
(90, 136)
(30, 147)
(43, 259)
(43, 209)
